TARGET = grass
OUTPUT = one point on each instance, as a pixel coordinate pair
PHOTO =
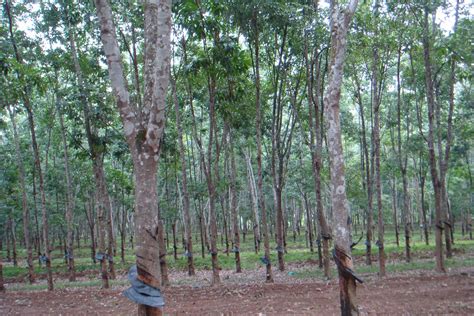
(391, 267)
(297, 253)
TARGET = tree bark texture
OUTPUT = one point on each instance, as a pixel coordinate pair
(143, 128)
(340, 21)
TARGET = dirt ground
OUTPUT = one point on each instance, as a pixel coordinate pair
(410, 293)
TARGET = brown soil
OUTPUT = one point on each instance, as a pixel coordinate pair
(415, 293)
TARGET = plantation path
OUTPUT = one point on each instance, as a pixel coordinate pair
(415, 293)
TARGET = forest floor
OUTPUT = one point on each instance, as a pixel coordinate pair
(295, 292)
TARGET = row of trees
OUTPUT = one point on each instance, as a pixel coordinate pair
(252, 141)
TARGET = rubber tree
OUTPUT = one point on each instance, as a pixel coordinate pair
(24, 200)
(435, 178)
(184, 185)
(143, 127)
(340, 21)
(25, 95)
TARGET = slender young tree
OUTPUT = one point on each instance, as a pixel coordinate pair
(233, 204)
(24, 201)
(184, 184)
(96, 152)
(439, 224)
(258, 126)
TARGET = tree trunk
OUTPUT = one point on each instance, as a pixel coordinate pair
(89, 211)
(24, 201)
(308, 222)
(143, 130)
(96, 150)
(175, 245)
(233, 205)
(423, 209)
(123, 230)
(101, 234)
(163, 265)
(440, 265)
(340, 21)
(184, 186)
(315, 145)
(368, 165)
(69, 254)
(376, 93)
(253, 201)
(258, 119)
(12, 231)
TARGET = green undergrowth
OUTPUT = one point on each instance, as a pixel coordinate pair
(298, 253)
(397, 267)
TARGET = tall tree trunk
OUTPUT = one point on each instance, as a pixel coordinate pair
(367, 162)
(439, 225)
(378, 187)
(24, 201)
(184, 185)
(402, 162)
(44, 212)
(143, 130)
(258, 120)
(69, 254)
(444, 160)
(315, 144)
(340, 21)
(96, 154)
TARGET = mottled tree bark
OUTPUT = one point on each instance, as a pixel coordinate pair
(340, 21)
(143, 127)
